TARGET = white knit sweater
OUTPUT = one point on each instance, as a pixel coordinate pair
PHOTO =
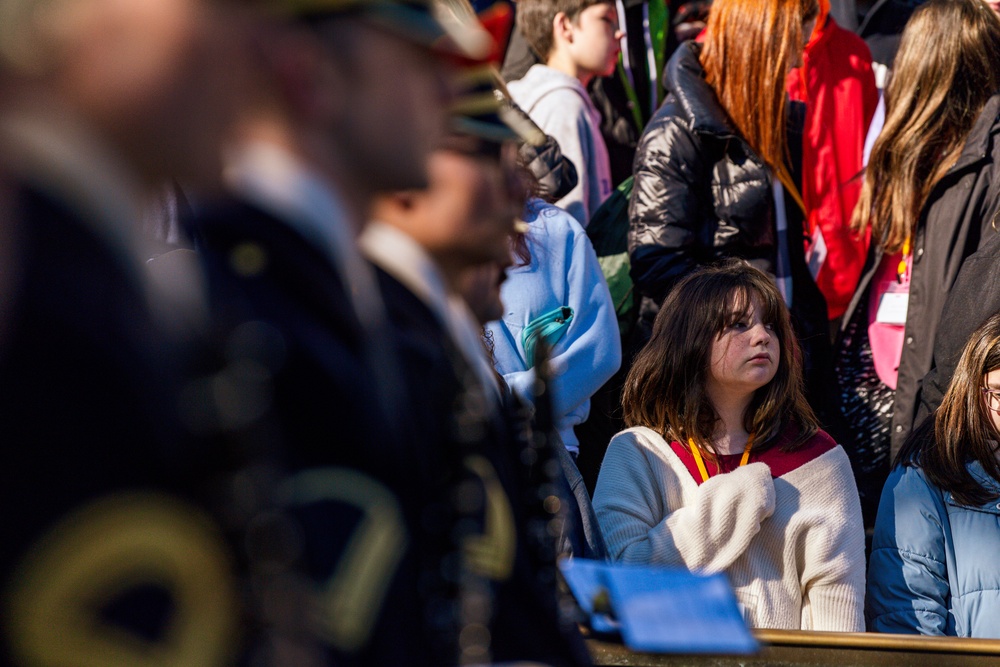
(793, 546)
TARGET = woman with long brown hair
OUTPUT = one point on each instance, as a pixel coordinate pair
(723, 467)
(930, 191)
(714, 169)
(933, 565)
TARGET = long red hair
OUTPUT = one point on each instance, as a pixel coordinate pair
(748, 48)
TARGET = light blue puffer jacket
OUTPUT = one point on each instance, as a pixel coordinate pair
(935, 564)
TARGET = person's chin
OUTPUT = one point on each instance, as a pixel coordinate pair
(761, 373)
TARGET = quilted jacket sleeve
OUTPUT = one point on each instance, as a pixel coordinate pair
(908, 588)
(665, 211)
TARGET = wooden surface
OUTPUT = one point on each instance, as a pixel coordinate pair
(791, 648)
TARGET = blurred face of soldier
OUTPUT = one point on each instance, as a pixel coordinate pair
(465, 217)
(473, 203)
(395, 110)
(480, 287)
(157, 78)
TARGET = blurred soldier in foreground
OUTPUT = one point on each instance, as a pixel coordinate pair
(350, 98)
(474, 469)
(105, 558)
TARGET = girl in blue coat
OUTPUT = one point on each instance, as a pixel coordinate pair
(933, 567)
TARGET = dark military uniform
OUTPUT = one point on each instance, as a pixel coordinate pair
(109, 550)
(347, 471)
(479, 462)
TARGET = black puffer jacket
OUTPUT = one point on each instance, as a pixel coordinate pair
(701, 193)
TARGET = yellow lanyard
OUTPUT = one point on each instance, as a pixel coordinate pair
(901, 267)
(701, 464)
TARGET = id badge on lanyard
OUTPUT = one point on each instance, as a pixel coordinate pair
(892, 305)
(896, 294)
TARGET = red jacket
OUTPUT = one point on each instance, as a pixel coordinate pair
(838, 86)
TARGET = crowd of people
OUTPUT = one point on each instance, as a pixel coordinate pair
(314, 352)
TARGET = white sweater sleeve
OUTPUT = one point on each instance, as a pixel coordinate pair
(833, 547)
(704, 528)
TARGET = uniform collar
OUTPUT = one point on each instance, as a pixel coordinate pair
(52, 149)
(278, 182)
(399, 255)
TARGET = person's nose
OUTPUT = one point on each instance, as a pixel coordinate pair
(761, 334)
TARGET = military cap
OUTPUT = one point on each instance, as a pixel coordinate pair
(482, 110)
(437, 24)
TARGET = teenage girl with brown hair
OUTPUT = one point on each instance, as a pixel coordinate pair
(933, 565)
(724, 468)
(714, 169)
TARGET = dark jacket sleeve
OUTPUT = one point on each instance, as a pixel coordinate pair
(665, 211)
(555, 172)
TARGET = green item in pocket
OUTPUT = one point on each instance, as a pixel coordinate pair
(549, 327)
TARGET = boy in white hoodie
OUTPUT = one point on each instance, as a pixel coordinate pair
(577, 40)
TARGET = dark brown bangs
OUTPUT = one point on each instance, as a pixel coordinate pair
(774, 309)
(741, 294)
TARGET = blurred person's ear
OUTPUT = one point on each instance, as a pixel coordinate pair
(562, 28)
(310, 85)
(406, 200)
(399, 208)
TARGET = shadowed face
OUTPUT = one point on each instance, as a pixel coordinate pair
(991, 383)
(396, 112)
(470, 206)
(158, 78)
(480, 287)
(807, 31)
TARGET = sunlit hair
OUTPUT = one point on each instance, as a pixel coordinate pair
(665, 388)
(946, 68)
(534, 19)
(749, 47)
(961, 430)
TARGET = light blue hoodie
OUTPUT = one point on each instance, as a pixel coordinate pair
(563, 272)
